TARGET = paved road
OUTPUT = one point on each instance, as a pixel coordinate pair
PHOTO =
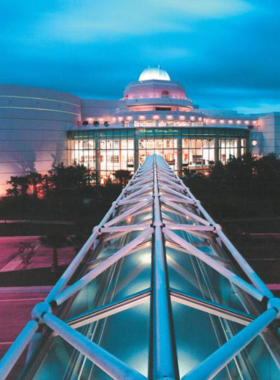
(15, 308)
(10, 260)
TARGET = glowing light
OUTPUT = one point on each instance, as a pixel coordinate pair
(100, 119)
(90, 119)
(247, 122)
(129, 118)
(192, 118)
(146, 258)
(169, 117)
(156, 117)
(254, 122)
(230, 121)
(213, 121)
(254, 143)
(152, 73)
(238, 122)
(142, 117)
(120, 118)
(222, 121)
(182, 117)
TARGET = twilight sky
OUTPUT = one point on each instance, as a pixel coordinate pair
(225, 52)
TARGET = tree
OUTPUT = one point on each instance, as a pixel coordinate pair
(26, 251)
(35, 180)
(19, 186)
(70, 178)
(123, 176)
(54, 241)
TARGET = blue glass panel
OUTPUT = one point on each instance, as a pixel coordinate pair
(195, 338)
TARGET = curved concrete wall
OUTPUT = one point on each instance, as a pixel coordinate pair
(33, 125)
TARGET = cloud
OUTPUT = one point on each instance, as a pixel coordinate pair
(210, 9)
(109, 20)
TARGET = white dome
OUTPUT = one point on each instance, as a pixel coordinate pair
(154, 73)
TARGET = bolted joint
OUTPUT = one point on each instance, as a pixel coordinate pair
(115, 204)
(217, 227)
(97, 229)
(158, 224)
(39, 310)
(275, 304)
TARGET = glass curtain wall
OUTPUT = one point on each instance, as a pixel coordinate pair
(167, 148)
(198, 152)
(107, 151)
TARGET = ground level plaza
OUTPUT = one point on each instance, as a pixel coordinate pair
(109, 150)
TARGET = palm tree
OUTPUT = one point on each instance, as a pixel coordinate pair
(35, 179)
(55, 241)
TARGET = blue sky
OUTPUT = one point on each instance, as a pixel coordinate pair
(225, 52)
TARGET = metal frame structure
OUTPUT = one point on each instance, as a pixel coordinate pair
(156, 189)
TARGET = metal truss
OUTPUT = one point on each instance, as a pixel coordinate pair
(156, 189)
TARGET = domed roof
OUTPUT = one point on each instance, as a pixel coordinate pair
(154, 73)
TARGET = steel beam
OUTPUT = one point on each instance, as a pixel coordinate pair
(220, 358)
(100, 357)
(105, 311)
(17, 348)
(163, 363)
(82, 282)
(238, 281)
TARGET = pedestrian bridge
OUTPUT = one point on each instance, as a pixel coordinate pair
(158, 291)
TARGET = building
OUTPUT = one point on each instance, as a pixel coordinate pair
(42, 127)
(157, 291)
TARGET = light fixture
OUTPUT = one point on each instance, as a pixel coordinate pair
(254, 142)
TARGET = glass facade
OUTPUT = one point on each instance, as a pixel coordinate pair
(107, 151)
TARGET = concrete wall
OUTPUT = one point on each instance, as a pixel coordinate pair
(33, 122)
(267, 135)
